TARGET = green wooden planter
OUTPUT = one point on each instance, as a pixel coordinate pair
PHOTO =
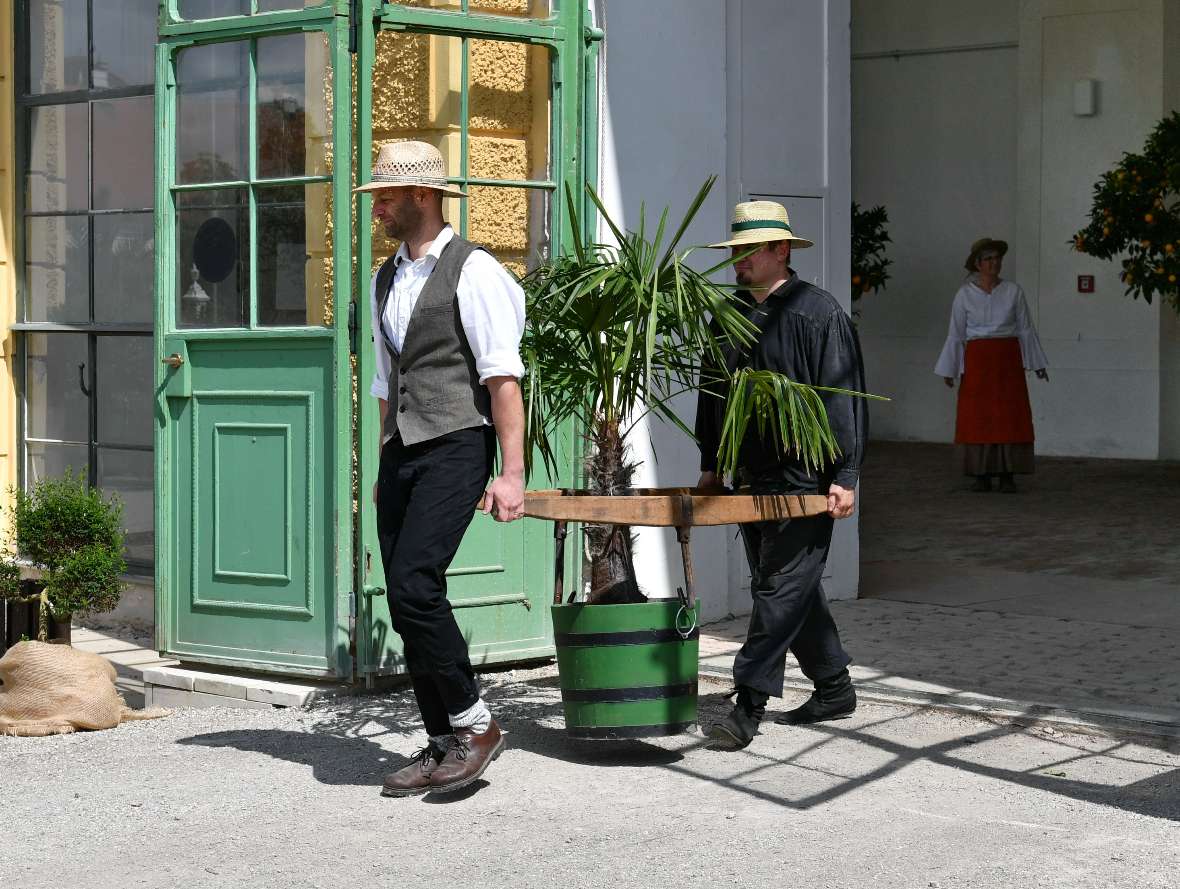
(627, 671)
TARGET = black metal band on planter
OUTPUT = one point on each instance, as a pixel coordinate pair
(641, 693)
(620, 732)
(629, 637)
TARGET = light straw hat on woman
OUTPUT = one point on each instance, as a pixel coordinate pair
(410, 163)
(756, 222)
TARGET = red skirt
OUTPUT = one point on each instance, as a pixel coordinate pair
(993, 395)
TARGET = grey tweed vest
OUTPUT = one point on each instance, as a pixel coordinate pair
(433, 385)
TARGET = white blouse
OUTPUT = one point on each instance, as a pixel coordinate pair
(977, 314)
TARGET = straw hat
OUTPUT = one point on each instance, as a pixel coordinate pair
(410, 163)
(981, 246)
(756, 222)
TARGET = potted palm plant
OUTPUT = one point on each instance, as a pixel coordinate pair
(615, 332)
(67, 556)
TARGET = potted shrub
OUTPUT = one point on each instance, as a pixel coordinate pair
(614, 333)
(69, 540)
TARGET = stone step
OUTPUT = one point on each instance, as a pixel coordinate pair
(181, 686)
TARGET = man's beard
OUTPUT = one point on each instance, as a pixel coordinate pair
(744, 279)
(407, 221)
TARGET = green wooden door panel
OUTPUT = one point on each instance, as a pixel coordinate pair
(252, 514)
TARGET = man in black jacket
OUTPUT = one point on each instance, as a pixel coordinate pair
(806, 335)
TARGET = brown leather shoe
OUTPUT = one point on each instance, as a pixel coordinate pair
(467, 758)
(414, 778)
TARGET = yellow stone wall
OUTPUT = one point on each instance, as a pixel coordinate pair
(8, 448)
(417, 95)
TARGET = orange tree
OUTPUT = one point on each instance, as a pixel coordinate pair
(869, 263)
(1136, 213)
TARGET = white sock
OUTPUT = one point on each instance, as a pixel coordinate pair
(477, 717)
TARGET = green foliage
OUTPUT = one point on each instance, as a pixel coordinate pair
(617, 332)
(74, 535)
(1136, 211)
(869, 263)
(10, 581)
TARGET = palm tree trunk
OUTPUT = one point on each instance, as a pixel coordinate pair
(612, 572)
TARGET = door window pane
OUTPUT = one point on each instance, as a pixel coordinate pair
(123, 389)
(508, 110)
(213, 233)
(279, 5)
(50, 460)
(55, 405)
(512, 223)
(57, 176)
(537, 9)
(128, 475)
(212, 109)
(57, 269)
(124, 253)
(124, 44)
(294, 250)
(212, 9)
(294, 96)
(57, 46)
(123, 155)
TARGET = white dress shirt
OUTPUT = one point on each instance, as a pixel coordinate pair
(977, 314)
(491, 309)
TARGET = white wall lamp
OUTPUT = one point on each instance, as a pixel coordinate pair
(1085, 97)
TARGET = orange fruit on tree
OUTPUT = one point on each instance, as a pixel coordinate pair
(856, 279)
(1147, 217)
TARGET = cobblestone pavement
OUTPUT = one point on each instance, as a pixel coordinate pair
(893, 797)
(1066, 595)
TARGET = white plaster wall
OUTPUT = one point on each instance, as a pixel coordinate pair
(961, 144)
(1169, 320)
(934, 140)
(1103, 399)
(742, 90)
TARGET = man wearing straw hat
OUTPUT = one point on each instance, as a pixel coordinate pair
(806, 335)
(447, 323)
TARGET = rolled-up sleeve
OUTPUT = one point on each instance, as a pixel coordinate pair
(379, 387)
(491, 308)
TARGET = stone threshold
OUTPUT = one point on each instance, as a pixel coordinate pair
(179, 685)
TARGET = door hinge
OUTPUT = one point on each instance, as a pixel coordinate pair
(352, 328)
(354, 20)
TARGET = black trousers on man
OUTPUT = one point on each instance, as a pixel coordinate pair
(426, 498)
(790, 611)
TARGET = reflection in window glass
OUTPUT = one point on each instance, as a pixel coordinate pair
(57, 46)
(213, 245)
(123, 389)
(212, 9)
(57, 269)
(124, 252)
(294, 116)
(123, 155)
(124, 45)
(293, 253)
(508, 107)
(128, 475)
(56, 406)
(517, 8)
(212, 108)
(49, 460)
(279, 5)
(510, 222)
(57, 176)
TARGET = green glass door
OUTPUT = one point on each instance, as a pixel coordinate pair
(253, 386)
(498, 89)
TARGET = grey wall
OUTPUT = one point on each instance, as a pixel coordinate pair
(756, 92)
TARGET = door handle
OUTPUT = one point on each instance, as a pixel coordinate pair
(173, 361)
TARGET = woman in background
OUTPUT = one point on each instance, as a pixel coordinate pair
(990, 344)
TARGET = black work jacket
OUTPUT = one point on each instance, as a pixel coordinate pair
(806, 335)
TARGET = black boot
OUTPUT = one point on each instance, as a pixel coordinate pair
(833, 698)
(737, 730)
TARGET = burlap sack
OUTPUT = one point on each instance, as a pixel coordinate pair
(56, 689)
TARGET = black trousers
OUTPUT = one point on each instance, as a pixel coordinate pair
(426, 498)
(790, 611)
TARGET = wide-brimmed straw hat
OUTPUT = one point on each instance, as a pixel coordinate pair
(982, 246)
(756, 222)
(410, 163)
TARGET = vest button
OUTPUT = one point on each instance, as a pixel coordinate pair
(402, 390)
(402, 409)
(401, 370)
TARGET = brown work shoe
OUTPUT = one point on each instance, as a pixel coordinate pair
(469, 755)
(415, 778)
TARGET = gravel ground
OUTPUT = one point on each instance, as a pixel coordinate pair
(893, 797)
